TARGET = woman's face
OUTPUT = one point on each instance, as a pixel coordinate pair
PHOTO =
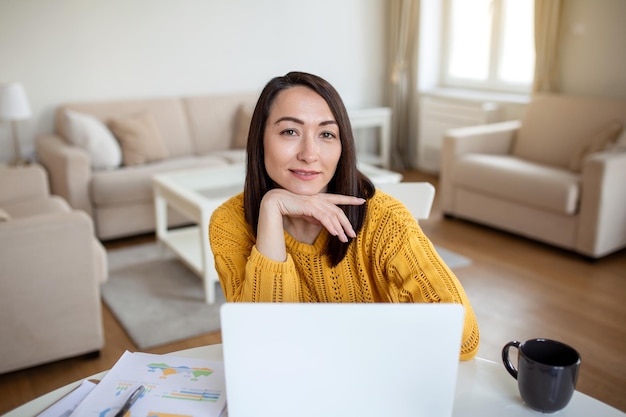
(301, 141)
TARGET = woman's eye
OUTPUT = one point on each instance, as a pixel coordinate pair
(288, 132)
(328, 135)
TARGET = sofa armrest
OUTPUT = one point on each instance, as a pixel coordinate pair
(602, 223)
(69, 169)
(494, 138)
(22, 183)
(49, 289)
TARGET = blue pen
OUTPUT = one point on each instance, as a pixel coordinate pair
(130, 401)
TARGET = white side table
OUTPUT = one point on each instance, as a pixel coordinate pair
(378, 117)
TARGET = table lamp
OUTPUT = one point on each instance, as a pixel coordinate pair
(13, 107)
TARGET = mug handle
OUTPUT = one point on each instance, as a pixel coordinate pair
(505, 357)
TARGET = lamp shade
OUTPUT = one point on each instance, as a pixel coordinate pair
(13, 102)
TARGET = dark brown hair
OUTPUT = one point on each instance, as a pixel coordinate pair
(348, 180)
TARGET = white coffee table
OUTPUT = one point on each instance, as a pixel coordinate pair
(196, 194)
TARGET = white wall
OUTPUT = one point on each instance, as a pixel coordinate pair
(82, 50)
(592, 56)
(75, 50)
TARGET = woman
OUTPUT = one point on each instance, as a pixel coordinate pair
(309, 227)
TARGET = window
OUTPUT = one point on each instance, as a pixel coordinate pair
(488, 44)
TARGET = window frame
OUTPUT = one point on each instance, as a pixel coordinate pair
(492, 83)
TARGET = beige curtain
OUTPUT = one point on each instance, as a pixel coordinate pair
(547, 22)
(403, 32)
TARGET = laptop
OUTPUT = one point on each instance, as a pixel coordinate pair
(326, 359)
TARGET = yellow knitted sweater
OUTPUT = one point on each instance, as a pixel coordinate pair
(390, 260)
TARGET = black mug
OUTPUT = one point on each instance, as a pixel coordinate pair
(546, 372)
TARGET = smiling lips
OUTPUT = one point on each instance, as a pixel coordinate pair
(305, 175)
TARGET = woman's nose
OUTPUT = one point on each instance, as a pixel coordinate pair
(309, 151)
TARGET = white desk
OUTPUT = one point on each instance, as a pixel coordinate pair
(484, 388)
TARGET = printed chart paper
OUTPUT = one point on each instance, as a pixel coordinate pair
(174, 387)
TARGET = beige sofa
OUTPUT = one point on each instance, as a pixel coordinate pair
(154, 136)
(52, 268)
(556, 176)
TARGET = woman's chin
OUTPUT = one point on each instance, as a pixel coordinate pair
(306, 190)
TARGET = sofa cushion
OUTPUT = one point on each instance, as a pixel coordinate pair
(4, 216)
(140, 139)
(133, 184)
(514, 179)
(91, 134)
(233, 156)
(169, 114)
(242, 125)
(601, 141)
(554, 126)
(213, 120)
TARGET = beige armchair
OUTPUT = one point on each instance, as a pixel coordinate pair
(556, 176)
(52, 267)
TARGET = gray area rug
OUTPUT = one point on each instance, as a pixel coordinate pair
(158, 300)
(452, 259)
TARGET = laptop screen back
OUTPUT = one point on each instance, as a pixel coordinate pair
(325, 359)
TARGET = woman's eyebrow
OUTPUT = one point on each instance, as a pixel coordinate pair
(298, 121)
(289, 119)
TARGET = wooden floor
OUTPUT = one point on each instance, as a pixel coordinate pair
(519, 289)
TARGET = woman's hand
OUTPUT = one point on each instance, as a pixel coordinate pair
(280, 206)
(317, 209)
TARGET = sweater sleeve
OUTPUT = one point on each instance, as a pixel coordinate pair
(268, 280)
(416, 273)
(245, 274)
